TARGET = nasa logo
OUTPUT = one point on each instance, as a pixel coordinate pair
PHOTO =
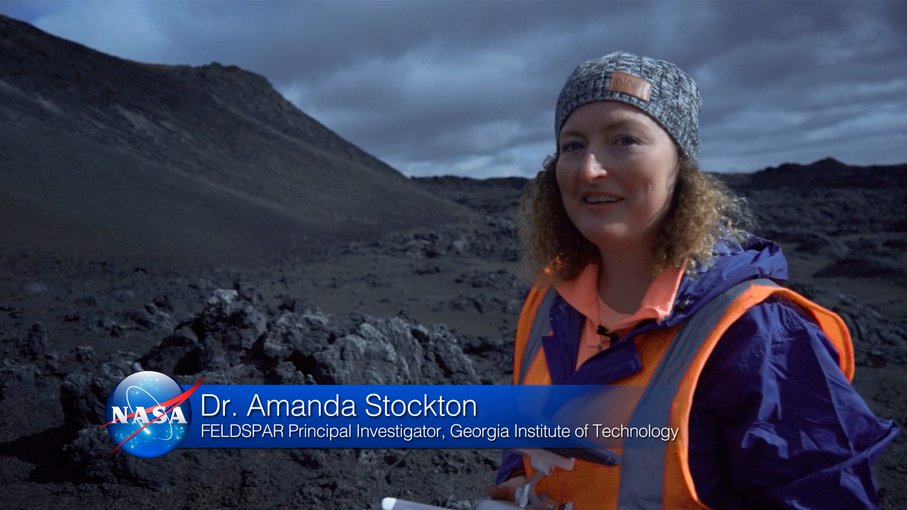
(148, 414)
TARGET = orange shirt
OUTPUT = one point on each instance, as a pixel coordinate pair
(582, 294)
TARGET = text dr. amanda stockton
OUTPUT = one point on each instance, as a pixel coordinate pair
(376, 406)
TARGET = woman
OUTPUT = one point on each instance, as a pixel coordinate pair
(646, 278)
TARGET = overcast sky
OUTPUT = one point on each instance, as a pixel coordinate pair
(468, 88)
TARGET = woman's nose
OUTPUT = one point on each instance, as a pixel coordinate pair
(593, 167)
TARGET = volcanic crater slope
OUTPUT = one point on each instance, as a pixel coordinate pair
(100, 155)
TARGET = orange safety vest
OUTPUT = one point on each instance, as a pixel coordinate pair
(672, 360)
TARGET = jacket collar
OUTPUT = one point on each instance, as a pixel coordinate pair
(561, 347)
(733, 264)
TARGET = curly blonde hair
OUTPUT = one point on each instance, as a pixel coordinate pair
(702, 211)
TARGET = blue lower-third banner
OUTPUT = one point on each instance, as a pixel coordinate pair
(149, 414)
(399, 416)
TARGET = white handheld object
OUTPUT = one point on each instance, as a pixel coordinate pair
(545, 461)
(401, 504)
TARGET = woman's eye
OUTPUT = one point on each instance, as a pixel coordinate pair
(571, 146)
(626, 141)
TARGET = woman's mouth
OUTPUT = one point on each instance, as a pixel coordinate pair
(601, 199)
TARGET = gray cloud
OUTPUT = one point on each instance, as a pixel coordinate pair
(469, 87)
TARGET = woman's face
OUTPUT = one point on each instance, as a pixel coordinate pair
(616, 169)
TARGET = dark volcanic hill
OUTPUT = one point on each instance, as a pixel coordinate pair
(104, 156)
(831, 173)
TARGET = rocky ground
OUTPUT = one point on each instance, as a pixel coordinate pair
(444, 301)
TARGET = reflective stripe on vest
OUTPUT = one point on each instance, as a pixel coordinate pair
(642, 475)
(540, 326)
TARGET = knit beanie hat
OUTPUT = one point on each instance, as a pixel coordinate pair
(657, 87)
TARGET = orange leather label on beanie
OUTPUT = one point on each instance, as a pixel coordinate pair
(631, 85)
